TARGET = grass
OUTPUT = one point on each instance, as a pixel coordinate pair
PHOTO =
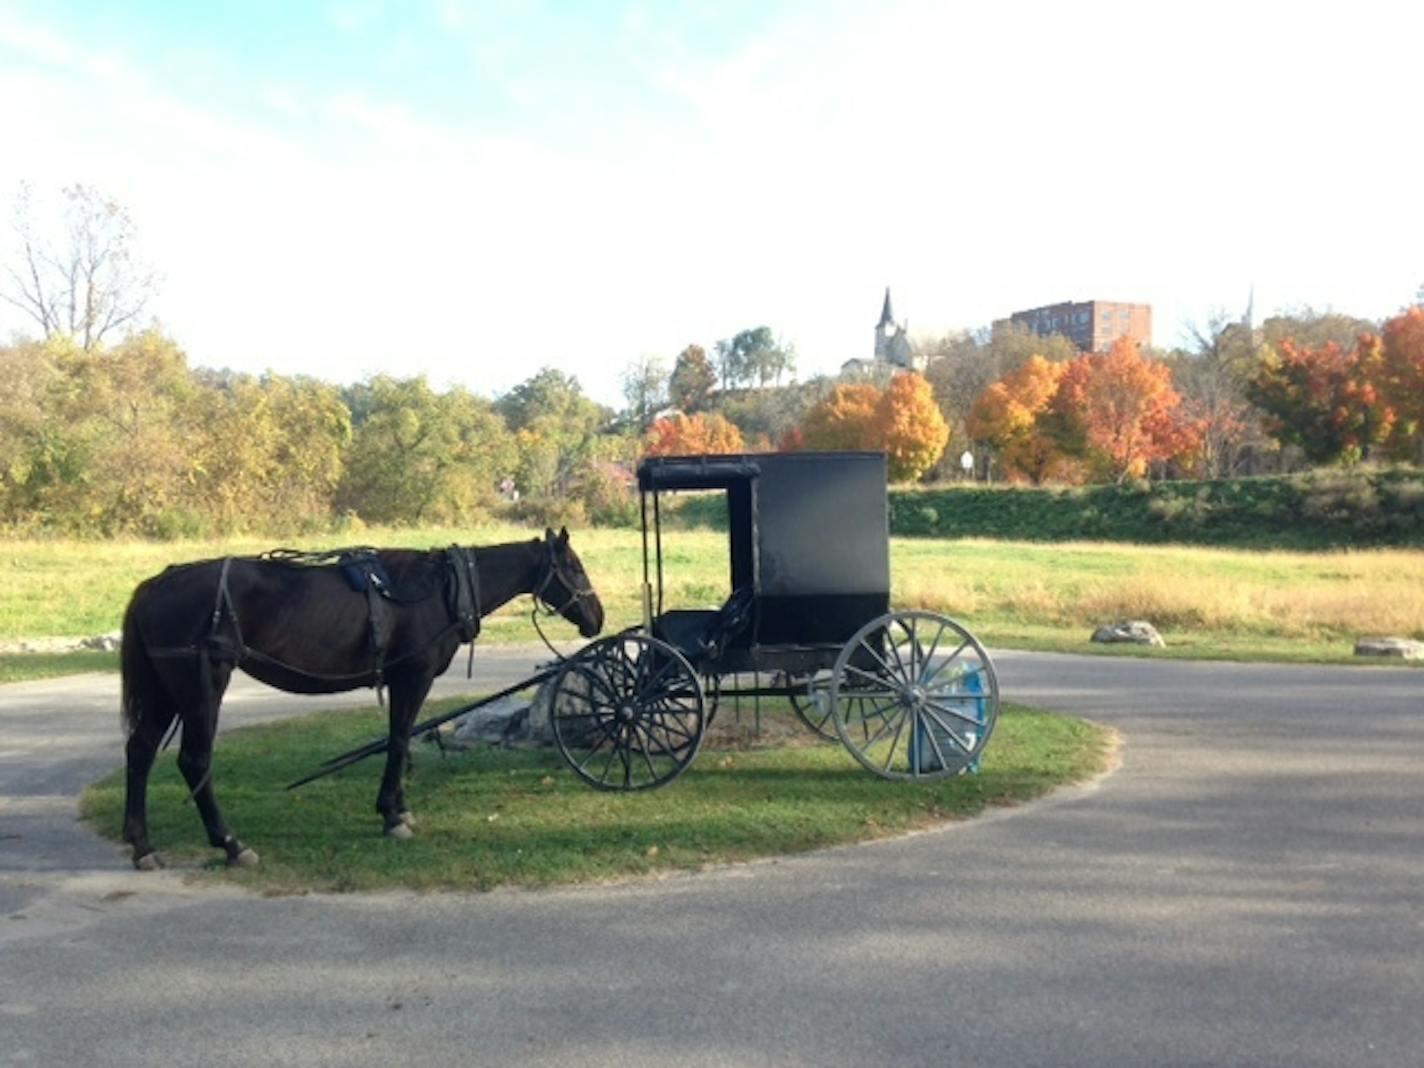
(490, 818)
(1208, 603)
(17, 667)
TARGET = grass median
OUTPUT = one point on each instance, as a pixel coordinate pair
(493, 817)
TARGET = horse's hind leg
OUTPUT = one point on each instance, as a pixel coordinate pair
(145, 737)
(195, 760)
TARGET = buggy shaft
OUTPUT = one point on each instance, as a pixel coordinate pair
(380, 745)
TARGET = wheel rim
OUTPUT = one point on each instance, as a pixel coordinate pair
(914, 696)
(628, 713)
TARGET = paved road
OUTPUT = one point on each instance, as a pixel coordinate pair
(1247, 889)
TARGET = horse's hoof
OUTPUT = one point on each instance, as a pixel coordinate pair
(148, 862)
(407, 817)
(399, 830)
(248, 858)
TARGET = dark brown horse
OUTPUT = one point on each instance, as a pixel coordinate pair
(315, 625)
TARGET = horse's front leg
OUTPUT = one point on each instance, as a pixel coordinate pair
(406, 697)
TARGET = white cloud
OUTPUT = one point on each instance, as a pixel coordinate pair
(978, 160)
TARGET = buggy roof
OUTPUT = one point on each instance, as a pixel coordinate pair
(726, 470)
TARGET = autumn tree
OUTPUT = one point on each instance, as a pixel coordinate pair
(31, 443)
(1326, 400)
(1307, 328)
(963, 364)
(1212, 379)
(909, 427)
(1008, 417)
(846, 419)
(271, 451)
(693, 379)
(84, 280)
(702, 434)
(1402, 381)
(1119, 411)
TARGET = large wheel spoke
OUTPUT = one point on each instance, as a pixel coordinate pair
(973, 720)
(954, 735)
(934, 744)
(895, 741)
(951, 658)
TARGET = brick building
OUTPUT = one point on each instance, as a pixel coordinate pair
(1092, 325)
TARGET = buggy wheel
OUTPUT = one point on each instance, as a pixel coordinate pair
(811, 702)
(914, 696)
(627, 713)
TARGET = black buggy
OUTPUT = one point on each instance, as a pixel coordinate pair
(911, 694)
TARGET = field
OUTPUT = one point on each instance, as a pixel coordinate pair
(493, 817)
(1216, 603)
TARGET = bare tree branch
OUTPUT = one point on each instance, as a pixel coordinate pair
(87, 286)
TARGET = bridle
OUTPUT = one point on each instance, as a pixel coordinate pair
(577, 594)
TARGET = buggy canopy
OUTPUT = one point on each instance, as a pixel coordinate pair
(808, 532)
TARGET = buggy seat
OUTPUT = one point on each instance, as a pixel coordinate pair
(703, 635)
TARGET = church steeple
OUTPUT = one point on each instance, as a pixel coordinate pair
(887, 314)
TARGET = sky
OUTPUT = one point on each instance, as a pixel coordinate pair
(475, 190)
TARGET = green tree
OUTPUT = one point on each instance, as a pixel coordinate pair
(693, 380)
(128, 423)
(754, 356)
(1310, 329)
(645, 384)
(557, 431)
(420, 456)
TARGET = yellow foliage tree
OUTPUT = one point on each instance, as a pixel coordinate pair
(909, 427)
(844, 420)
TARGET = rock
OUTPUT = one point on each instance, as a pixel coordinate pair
(1404, 648)
(104, 643)
(497, 723)
(1136, 632)
(541, 727)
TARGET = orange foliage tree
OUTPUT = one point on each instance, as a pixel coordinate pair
(1118, 410)
(910, 427)
(844, 420)
(1008, 416)
(1402, 380)
(693, 435)
(1326, 400)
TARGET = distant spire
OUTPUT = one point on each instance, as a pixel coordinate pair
(1249, 320)
(887, 315)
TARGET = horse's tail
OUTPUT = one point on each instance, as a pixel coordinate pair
(135, 668)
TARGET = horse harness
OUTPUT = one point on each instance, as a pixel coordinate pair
(366, 574)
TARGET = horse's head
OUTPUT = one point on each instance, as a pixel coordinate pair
(565, 586)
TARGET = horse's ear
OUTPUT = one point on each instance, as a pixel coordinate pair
(548, 533)
(563, 537)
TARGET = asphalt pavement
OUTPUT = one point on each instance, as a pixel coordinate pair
(1247, 888)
